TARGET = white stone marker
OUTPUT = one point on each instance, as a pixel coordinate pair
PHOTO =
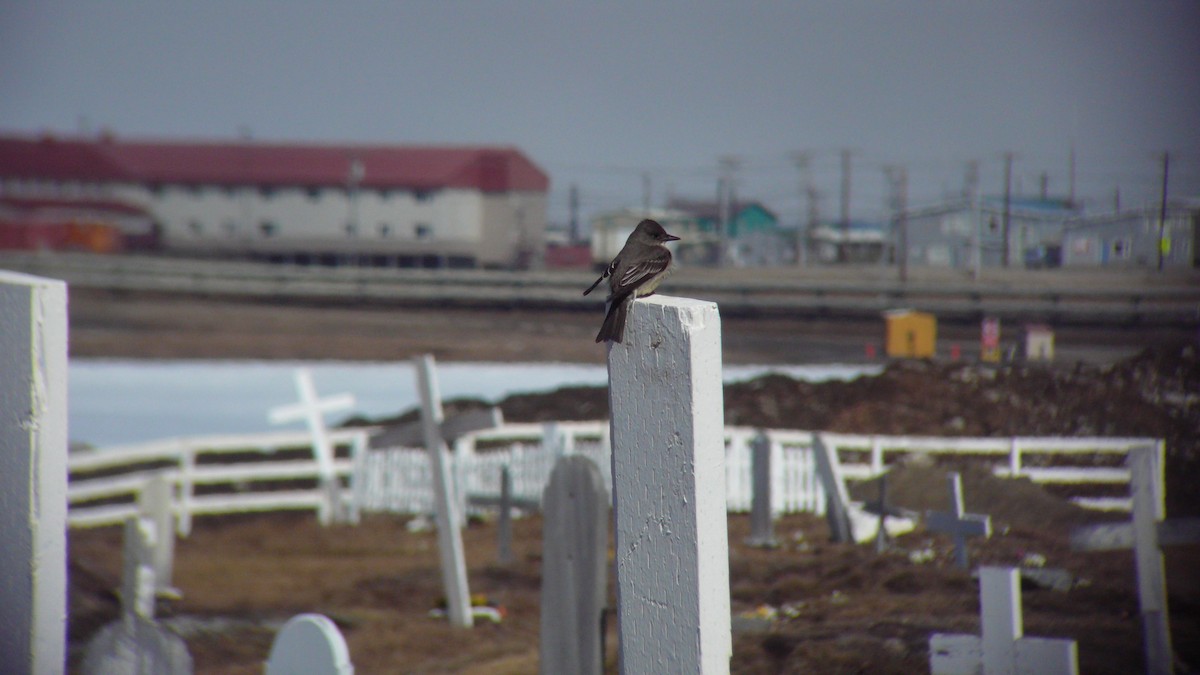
(450, 546)
(312, 410)
(1002, 649)
(135, 644)
(1146, 535)
(309, 644)
(668, 468)
(574, 568)
(33, 473)
(155, 503)
(958, 524)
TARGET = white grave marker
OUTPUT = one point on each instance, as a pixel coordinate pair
(450, 546)
(1146, 535)
(668, 469)
(309, 644)
(155, 503)
(1002, 649)
(958, 524)
(312, 410)
(135, 644)
(33, 473)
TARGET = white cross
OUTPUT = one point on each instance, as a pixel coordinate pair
(960, 525)
(312, 410)
(1002, 648)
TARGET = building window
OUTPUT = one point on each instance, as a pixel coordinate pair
(313, 192)
(422, 230)
(385, 230)
(351, 229)
(230, 227)
(422, 195)
(196, 227)
(268, 228)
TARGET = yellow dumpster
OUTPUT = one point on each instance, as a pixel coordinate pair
(910, 334)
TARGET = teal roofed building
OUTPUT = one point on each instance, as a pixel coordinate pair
(753, 237)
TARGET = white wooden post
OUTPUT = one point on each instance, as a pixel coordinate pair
(450, 546)
(1149, 507)
(33, 473)
(187, 489)
(312, 410)
(668, 469)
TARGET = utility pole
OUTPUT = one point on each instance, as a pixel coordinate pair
(971, 181)
(1071, 178)
(808, 192)
(728, 165)
(897, 177)
(1006, 218)
(845, 214)
(1162, 210)
(573, 207)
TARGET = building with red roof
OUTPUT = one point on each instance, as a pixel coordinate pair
(336, 204)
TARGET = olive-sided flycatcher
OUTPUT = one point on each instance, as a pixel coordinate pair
(636, 272)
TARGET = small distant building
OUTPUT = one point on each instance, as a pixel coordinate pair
(909, 334)
(79, 224)
(610, 229)
(753, 237)
(1039, 343)
(855, 242)
(1132, 238)
(367, 204)
(962, 233)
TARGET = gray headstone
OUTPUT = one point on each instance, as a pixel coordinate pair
(309, 644)
(134, 645)
(504, 554)
(762, 526)
(574, 568)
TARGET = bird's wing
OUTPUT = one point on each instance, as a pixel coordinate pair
(640, 273)
(611, 268)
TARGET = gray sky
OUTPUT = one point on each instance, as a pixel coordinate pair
(598, 93)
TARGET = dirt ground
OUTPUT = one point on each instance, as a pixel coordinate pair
(806, 606)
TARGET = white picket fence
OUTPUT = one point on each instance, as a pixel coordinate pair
(111, 497)
(397, 480)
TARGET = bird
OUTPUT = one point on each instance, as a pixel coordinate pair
(636, 272)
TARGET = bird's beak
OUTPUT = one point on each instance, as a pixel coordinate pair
(671, 237)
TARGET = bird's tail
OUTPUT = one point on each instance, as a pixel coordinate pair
(613, 327)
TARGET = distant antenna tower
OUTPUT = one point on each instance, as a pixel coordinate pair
(971, 181)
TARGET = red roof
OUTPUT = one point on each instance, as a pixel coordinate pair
(486, 168)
